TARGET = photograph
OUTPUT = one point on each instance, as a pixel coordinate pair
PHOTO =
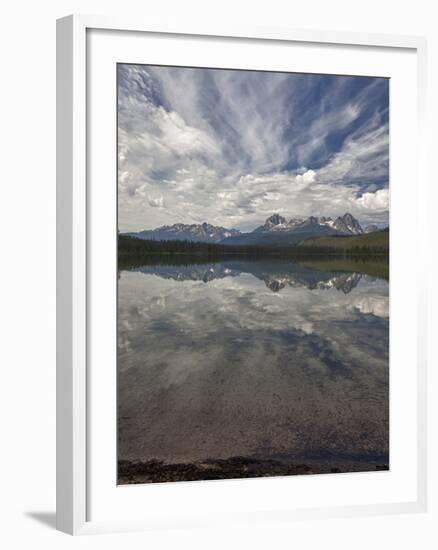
(252, 273)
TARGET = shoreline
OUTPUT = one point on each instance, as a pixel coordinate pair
(155, 471)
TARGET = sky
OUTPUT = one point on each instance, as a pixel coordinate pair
(232, 147)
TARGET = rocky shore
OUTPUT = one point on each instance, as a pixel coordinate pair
(155, 471)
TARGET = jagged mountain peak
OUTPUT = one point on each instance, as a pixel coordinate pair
(275, 222)
(348, 224)
(275, 219)
(276, 230)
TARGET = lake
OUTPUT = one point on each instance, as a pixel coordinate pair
(245, 367)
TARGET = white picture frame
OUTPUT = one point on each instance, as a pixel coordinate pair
(74, 219)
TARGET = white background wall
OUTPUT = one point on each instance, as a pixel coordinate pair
(27, 218)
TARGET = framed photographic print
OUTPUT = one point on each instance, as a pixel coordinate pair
(240, 327)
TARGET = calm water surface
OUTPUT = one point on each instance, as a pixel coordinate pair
(262, 359)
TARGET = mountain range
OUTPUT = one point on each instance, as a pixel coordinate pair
(204, 232)
(275, 231)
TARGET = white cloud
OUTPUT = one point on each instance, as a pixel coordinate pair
(157, 202)
(374, 304)
(379, 200)
(307, 177)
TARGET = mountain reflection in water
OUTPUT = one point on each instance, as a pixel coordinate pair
(266, 360)
(276, 277)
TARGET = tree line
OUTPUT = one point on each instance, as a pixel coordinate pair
(132, 247)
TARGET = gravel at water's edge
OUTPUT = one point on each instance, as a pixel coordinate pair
(154, 471)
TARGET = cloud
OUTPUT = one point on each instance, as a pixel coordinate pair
(231, 147)
(379, 200)
(307, 177)
(157, 202)
(374, 304)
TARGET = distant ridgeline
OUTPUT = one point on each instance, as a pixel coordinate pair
(277, 236)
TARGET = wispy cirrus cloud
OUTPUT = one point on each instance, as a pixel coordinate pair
(231, 147)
